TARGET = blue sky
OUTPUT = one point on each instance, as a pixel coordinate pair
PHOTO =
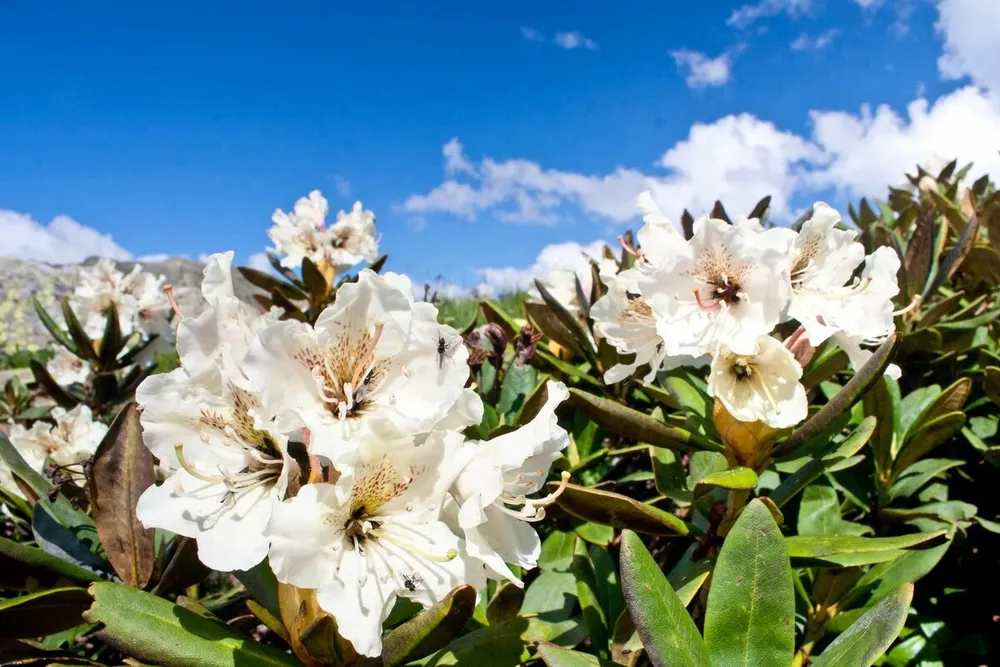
(179, 127)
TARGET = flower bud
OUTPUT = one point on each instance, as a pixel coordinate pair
(526, 343)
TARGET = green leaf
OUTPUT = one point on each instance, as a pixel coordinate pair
(60, 508)
(73, 545)
(57, 331)
(556, 656)
(837, 453)
(267, 282)
(819, 511)
(917, 475)
(495, 315)
(595, 533)
(518, 383)
(43, 613)
(122, 469)
(609, 591)
(23, 567)
(506, 603)
(883, 403)
(579, 338)
(668, 634)
(750, 618)
(506, 645)
(431, 629)
(668, 474)
(111, 340)
(871, 635)
(926, 438)
(590, 605)
(825, 549)
(734, 478)
(855, 389)
(913, 406)
(63, 398)
(263, 586)
(557, 551)
(81, 341)
(613, 509)
(910, 567)
(568, 369)
(152, 629)
(639, 426)
(552, 595)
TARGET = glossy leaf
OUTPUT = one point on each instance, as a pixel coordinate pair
(506, 645)
(122, 469)
(63, 398)
(926, 438)
(855, 388)
(552, 595)
(623, 420)
(56, 331)
(826, 549)
(43, 613)
(868, 638)
(751, 603)
(614, 509)
(668, 634)
(733, 478)
(40, 487)
(150, 628)
(594, 616)
(556, 656)
(431, 629)
(24, 567)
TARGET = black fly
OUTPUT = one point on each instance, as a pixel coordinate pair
(444, 349)
(411, 581)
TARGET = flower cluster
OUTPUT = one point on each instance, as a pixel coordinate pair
(72, 440)
(303, 233)
(718, 297)
(142, 306)
(407, 508)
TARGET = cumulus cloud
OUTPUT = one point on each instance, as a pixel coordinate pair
(61, 241)
(569, 255)
(258, 261)
(806, 42)
(575, 40)
(701, 71)
(970, 43)
(455, 161)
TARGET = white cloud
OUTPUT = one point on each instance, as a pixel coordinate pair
(62, 241)
(805, 42)
(867, 4)
(531, 34)
(258, 261)
(342, 185)
(569, 255)
(575, 40)
(702, 71)
(747, 14)
(737, 158)
(440, 289)
(455, 161)
(154, 258)
(970, 41)
(864, 152)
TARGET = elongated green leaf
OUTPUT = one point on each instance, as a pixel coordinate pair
(824, 549)
(580, 340)
(920, 473)
(77, 546)
(81, 341)
(518, 384)
(431, 629)
(594, 616)
(926, 438)
(149, 628)
(668, 634)
(614, 509)
(855, 388)
(819, 511)
(23, 567)
(623, 420)
(111, 339)
(183, 569)
(505, 604)
(751, 603)
(609, 591)
(506, 645)
(552, 595)
(43, 613)
(63, 398)
(121, 471)
(835, 454)
(262, 584)
(267, 282)
(868, 638)
(733, 478)
(883, 402)
(57, 331)
(556, 656)
(60, 508)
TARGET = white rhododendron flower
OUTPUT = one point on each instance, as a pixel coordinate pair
(303, 233)
(827, 298)
(138, 297)
(66, 368)
(230, 467)
(761, 386)
(73, 439)
(497, 492)
(658, 238)
(374, 536)
(624, 319)
(727, 285)
(370, 366)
